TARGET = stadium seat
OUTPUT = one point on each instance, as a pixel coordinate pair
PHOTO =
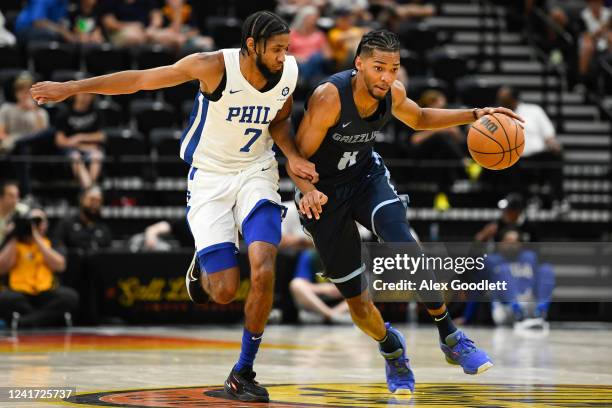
(126, 152)
(63, 75)
(418, 37)
(151, 114)
(11, 57)
(11, 5)
(110, 112)
(153, 55)
(165, 142)
(411, 62)
(474, 91)
(186, 108)
(418, 85)
(104, 58)
(177, 95)
(7, 77)
(51, 56)
(447, 65)
(226, 31)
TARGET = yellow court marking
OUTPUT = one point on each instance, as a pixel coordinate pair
(361, 395)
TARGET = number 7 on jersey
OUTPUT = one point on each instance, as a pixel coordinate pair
(256, 134)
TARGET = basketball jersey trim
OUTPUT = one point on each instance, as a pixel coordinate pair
(193, 132)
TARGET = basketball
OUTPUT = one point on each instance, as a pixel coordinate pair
(496, 141)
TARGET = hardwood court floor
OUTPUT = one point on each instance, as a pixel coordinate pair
(310, 366)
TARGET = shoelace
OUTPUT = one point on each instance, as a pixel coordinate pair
(251, 377)
(465, 346)
(400, 366)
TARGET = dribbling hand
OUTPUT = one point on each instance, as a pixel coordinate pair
(504, 111)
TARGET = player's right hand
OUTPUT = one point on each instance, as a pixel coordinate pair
(43, 92)
(312, 204)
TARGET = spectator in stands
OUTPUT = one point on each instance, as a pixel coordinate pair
(311, 294)
(155, 236)
(9, 198)
(78, 134)
(85, 22)
(290, 8)
(597, 36)
(129, 22)
(308, 44)
(178, 29)
(21, 121)
(542, 158)
(512, 217)
(392, 13)
(44, 20)
(344, 38)
(6, 37)
(443, 144)
(23, 125)
(359, 8)
(530, 283)
(33, 298)
(85, 231)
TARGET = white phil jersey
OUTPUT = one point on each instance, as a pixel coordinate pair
(232, 133)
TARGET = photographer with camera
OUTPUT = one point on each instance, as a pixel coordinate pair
(33, 299)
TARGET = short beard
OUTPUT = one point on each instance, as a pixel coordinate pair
(378, 98)
(265, 71)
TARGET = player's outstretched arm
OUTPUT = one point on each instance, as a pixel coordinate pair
(194, 66)
(406, 110)
(280, 130)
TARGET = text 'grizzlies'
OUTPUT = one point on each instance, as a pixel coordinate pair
(362, 138)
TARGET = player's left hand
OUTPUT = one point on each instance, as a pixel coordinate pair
(504, 111)
(312, 204)
(304, 169)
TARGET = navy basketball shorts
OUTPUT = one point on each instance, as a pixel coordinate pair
(335, 234)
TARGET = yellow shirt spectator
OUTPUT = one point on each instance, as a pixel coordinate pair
(30, 274)
(344, 42)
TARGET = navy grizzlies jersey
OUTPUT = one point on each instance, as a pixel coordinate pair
(347, 149)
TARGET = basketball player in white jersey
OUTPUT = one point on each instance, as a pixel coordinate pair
(242, 108)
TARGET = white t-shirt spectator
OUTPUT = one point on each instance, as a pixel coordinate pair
(538, 128)
(594, 24)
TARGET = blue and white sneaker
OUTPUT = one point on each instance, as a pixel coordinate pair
(460, 350)
(400, 378)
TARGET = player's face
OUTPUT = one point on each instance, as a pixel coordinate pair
(379, 71)
(271, 61)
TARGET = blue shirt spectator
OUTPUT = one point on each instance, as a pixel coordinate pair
(43, 20)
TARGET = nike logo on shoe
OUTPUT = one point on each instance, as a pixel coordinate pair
(233, 92)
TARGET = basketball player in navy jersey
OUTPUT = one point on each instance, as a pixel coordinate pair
(337, 133)
(242, 108)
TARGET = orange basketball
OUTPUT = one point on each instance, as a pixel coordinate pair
(496, 141)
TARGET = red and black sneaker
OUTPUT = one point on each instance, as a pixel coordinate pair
(242, 386)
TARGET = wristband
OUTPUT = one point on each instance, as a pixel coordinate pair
(474, 113)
